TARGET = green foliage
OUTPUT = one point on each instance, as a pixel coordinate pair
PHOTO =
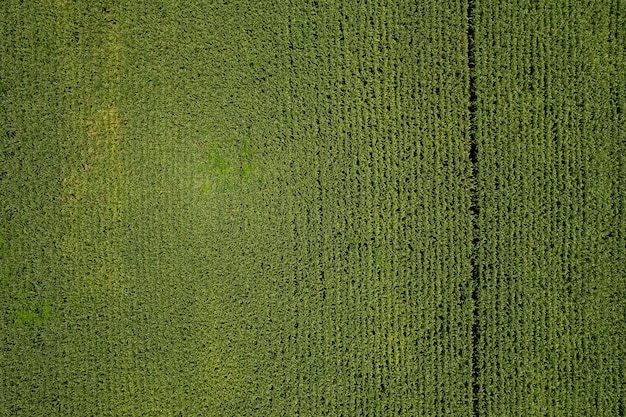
(550, 142)
(265, 208)
(229, 165)
(36, 315)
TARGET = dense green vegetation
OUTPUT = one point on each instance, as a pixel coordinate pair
(265, 208)
(551, 86)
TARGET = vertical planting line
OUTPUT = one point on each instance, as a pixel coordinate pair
(473, 155)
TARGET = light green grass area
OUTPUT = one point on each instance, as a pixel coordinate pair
(263, 208)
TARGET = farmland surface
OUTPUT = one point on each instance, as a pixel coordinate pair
(312, 208)
(551, 89)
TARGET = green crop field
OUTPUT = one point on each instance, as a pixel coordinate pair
(312, 208)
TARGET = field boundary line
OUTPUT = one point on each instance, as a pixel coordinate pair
(474, 209)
